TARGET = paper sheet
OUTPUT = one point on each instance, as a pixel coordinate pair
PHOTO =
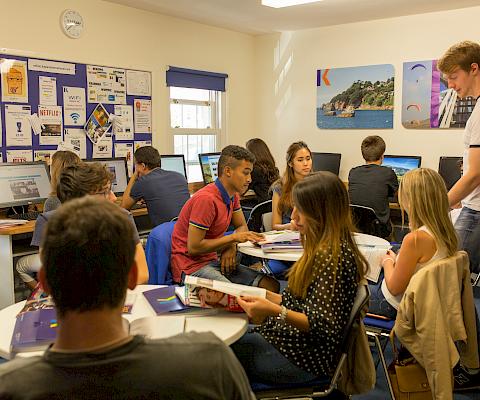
(19, 132)
(51, 119)
(74, 106)
(18, 156)
(14, 80)
(125, 132)
(143, 115)
(47, 90)
(125, 150)
(76, 138)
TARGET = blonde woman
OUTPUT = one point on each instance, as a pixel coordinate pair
(423, 196)
(301, 328)
(28, 265)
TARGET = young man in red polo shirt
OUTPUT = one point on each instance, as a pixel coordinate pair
(199, 245)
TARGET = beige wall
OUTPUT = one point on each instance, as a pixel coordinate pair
(286, 102)
(125, 37)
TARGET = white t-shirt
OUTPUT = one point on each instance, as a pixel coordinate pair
(471, 138)
(394, 301)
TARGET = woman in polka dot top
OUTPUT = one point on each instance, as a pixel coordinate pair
(300, 329)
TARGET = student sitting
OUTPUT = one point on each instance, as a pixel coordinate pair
(88, 261)
(423, 196)
(28, 265)
(371, 185)
(301, 329)
(90, 179)
(165, 192)
(299, 165)
(264, 171)
(200, 230)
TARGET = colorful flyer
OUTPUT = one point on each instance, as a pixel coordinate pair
(18, 156)
(97, 124)
(76, 138)
(47, 90)
(143, 115)
(51, 120)
(106, 85)
(14, 80)
(43, 155)
(17, 126)
(124, 130)
(125, 150)
(74, 107)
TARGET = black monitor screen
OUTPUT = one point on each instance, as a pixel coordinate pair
(118, 168)
(23, 183)
(209, 165)
(402, 164)
(450, 169)
(174, 162)
(326, 162)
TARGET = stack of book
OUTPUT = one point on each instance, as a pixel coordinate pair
(281, 241)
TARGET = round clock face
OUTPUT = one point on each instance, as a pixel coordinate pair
(72, 23)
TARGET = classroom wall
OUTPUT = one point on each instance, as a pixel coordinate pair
(286, 64)
(125, 37)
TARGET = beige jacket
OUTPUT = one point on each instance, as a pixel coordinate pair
(436, 311)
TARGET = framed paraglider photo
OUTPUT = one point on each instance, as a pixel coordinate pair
(426, 100)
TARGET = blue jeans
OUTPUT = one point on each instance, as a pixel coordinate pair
(264, 363)
(468, 230)
(279, 268)
(378, 304)
(242, 274)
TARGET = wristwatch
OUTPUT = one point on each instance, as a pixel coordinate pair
(282, 315)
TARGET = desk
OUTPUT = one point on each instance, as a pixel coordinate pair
(251, 250)
(228, 326)
(15, 242)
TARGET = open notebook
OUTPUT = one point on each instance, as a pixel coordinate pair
(373, 254)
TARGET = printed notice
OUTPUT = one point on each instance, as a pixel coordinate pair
(77, 139)
(139, 83)
(74, 108)
(142, 143)
(106, 85)
(125, 150)
(54, 67)
(143, 115)
(14, 80)
(17, 127)
(19, 156)
(51, 119)
(124, 130)
(47, 90)
(43, 155)
(103, 149)
(98, 124)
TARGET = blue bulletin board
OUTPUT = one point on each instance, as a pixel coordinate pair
(27, 82)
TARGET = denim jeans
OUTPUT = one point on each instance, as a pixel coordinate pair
(378, 304)
(264, 363)
(468, 230)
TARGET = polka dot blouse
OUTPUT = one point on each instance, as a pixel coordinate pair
(327, 306)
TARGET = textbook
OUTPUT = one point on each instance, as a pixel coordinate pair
(37, 300)
(164, 300)
(373, 254)
(34, 330)
(281, 241)
(208, 293)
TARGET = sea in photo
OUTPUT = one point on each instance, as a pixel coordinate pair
(363, 119)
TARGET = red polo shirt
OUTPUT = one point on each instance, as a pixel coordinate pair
(210, 209)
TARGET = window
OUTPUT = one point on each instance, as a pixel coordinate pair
(196, 124)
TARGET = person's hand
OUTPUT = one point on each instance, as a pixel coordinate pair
(257, 308)
(242, 237)
(228, 259)
(293, 225)
(389, 256)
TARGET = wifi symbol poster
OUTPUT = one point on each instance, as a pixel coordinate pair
(74, 108)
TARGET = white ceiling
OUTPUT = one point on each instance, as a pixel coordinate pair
(249, 16)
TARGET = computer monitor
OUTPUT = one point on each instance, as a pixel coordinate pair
(118, 167)
(402, 164)
(23, 183)
(174, 162)
(326, 162)
(209, 165)
(450, 169)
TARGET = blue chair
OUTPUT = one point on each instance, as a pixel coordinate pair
(157, 252)
(323, 387)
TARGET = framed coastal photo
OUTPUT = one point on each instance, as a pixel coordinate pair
(427, 103)
(355, 97)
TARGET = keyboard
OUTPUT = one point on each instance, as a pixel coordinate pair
(30, 216)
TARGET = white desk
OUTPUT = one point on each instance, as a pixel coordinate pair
(252, 250)
(228, 326)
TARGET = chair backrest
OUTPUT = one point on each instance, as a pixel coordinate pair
(267, 222)
(255, 220)
(157, 252)
(365, 219)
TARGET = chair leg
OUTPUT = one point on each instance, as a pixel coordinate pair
(477, 279)
(384, 365)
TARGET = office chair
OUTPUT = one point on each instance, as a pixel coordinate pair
(321, 388)
(256, 219)
(366, 221)
(157, 252)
